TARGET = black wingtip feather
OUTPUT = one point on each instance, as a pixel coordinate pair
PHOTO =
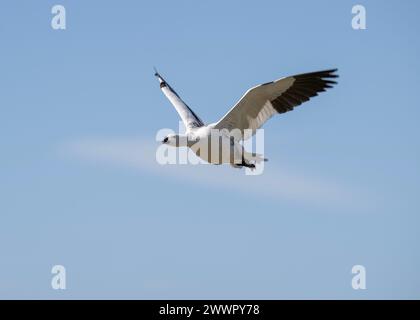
(304, 87)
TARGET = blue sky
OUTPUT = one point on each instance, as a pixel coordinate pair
(80, 109)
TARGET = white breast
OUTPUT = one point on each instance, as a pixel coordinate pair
(215, 147)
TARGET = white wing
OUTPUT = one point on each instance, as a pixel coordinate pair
(189, 118)
(260, 103)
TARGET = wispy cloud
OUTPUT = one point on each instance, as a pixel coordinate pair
(276, 182)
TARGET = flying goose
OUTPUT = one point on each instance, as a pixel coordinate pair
(255, 107)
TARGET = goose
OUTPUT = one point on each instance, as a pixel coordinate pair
(221, 142)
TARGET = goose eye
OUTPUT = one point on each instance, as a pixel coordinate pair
(165, 140)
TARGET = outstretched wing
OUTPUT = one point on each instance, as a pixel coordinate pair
(189, 118)
(262, 102)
